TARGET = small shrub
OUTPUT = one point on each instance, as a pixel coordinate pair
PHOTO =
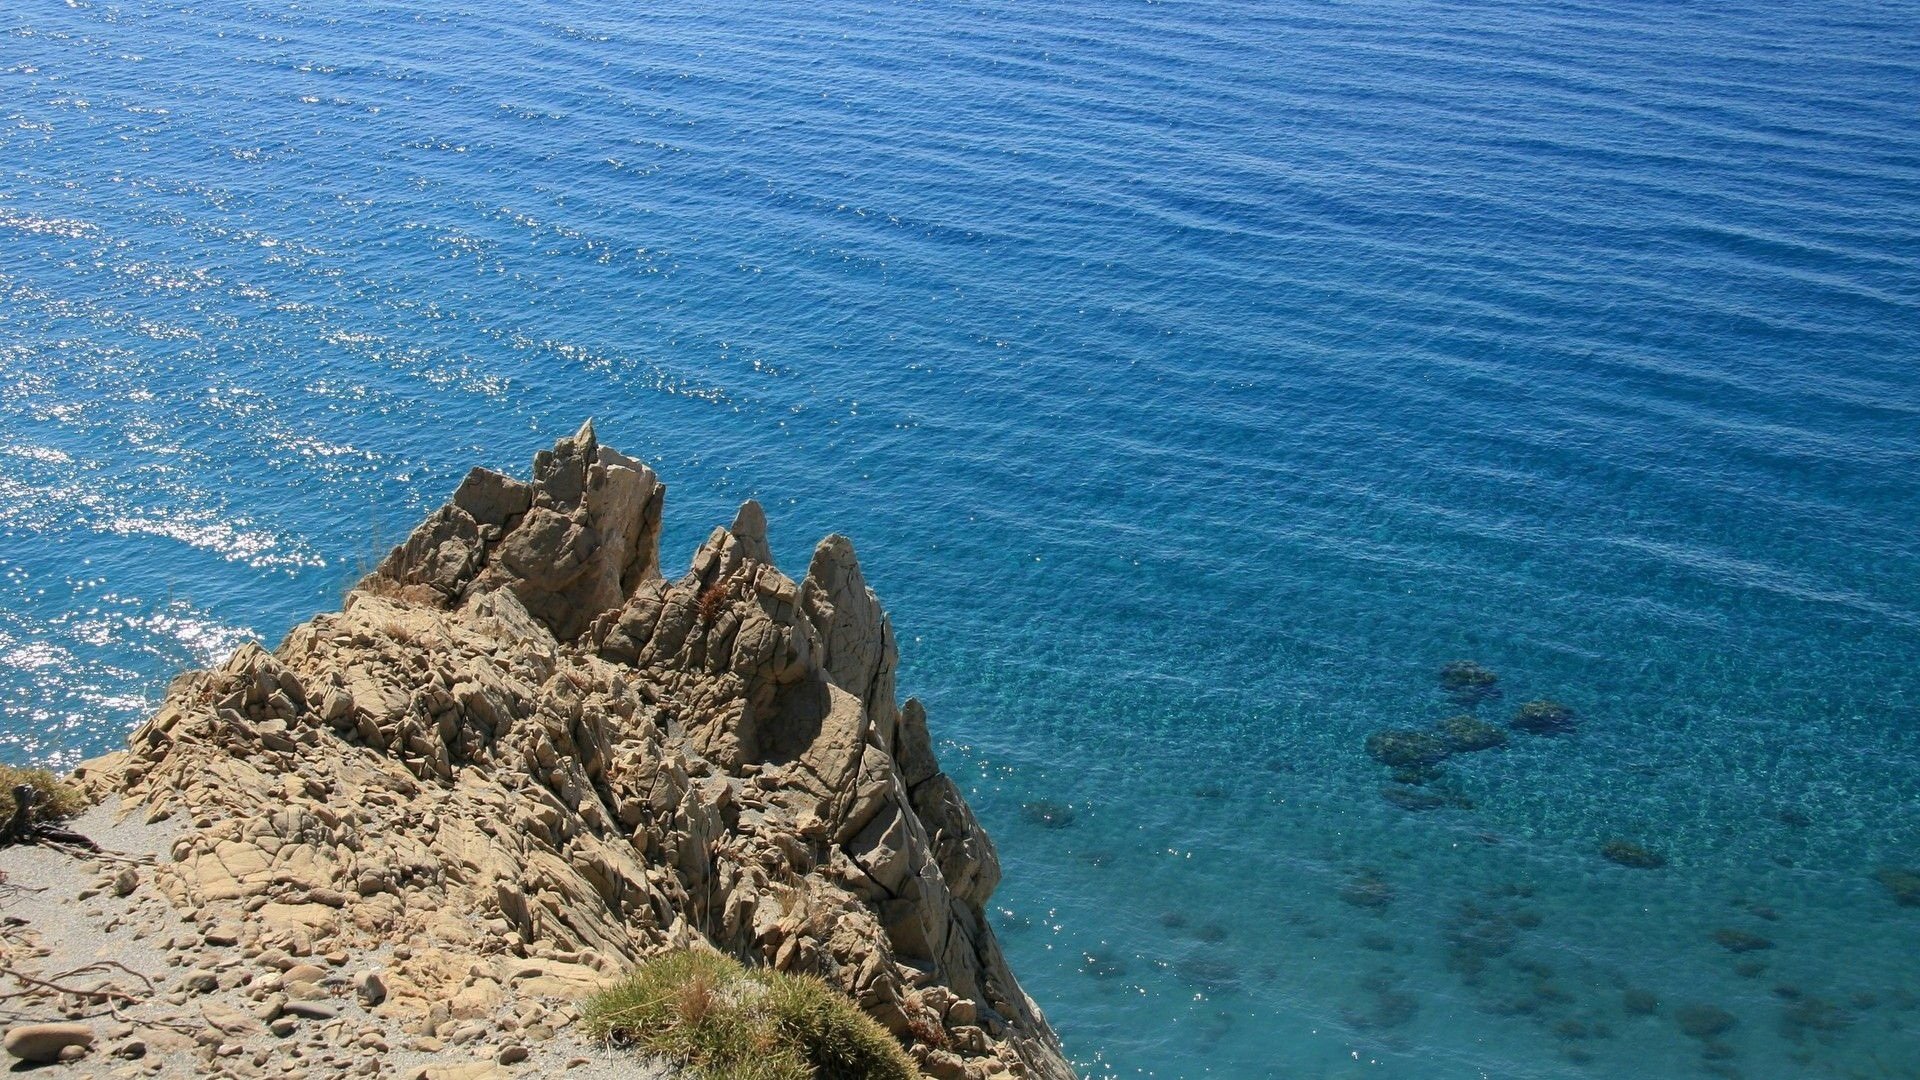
(720, 1021)
(57, 798)
(713, 600)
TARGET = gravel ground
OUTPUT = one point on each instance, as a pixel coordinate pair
(194, 1008)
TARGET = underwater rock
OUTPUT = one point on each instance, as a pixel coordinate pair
(1417, 775)
(1404, 748)
(1795, 817)
(1390, 1007)
(1468, 682)
(1467, 733)
(1572, 1029)
(1703, 1021)
(1637, 1002)
(1716, 1051)
(1628, 853)
(1812, 1015)
(1412, 798)
(1750, 969)
(1367, 889)
(1103, 964)
(1209, 975)
(1904, 884)
(1476, 936)
(1740, 941)
(1542, 717)
(1211, 933)
(1047, 815)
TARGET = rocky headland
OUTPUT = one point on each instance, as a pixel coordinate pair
(518, 760)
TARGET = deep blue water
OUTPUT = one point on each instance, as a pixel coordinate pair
(1195, 379)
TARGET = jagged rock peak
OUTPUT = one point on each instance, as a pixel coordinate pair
(517, 738)
(571, 544)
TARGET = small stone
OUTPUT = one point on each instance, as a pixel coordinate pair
(200, 981)
(311, 1010)
(132, 1050)
(224, 935)
(284, 1026)
(127, 880)
(44, 1043)
(303, 973)
(511, 1055)
(371, 988)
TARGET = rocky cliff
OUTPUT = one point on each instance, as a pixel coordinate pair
(523, 756)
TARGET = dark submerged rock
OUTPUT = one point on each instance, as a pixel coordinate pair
(1413, 798)
(1542, 717)
(1405, 748)
(1467, 733)
(1638, 1002)
(1812, 1016)
(1466, 681)
(1628, 853)
(1740, 941)
(1417, 775)
(1703, 1022)
(1209, 975)
(1047, 815)
(1904, 884)
(1367, 889)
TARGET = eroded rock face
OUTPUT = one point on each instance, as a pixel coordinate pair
(518, 742)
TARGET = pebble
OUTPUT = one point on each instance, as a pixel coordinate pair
(304, 973)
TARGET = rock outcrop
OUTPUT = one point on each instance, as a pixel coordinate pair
(522, 752)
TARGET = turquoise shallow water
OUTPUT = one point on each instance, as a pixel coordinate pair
(1195, 379)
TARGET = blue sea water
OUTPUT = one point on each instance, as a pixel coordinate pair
(1195, 379)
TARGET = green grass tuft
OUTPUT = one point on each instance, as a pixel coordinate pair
(59, 799)
(721, 1021)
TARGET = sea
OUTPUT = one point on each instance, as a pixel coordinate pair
(1197, 381)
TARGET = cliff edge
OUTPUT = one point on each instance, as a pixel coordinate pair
(519, 759)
